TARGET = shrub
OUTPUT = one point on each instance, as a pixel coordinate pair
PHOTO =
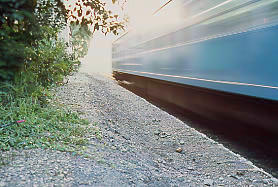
(16, 26)
(49, 62)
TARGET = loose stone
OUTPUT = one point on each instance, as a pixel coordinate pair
(240, 173)
(157, 132)
(141, 161)
(208, 182)
(179, 150)
(163, 135)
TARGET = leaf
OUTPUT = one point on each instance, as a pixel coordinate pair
(96, 27)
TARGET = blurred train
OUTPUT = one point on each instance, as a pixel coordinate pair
(226, 45)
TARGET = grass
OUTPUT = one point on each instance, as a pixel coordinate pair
(47, 125)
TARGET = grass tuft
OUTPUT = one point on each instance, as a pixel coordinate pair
(46, 126)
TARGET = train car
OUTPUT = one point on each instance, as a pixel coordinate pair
(230, 46)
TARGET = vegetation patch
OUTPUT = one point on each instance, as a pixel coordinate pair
(46, 126)
(34, 58)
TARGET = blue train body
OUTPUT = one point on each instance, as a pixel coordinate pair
(242, 61)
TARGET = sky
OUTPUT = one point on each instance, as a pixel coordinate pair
(99, 55)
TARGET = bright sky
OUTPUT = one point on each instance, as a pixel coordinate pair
(99, 55)
(140, 11)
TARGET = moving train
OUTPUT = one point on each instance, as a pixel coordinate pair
(229, 46)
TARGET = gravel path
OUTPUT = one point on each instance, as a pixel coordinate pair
(141, 146)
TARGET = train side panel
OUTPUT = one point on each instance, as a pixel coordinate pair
(227, 45)
(245, 63)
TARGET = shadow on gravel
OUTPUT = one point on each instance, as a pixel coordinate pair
(255, 144)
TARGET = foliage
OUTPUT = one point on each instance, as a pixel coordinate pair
(33, 59)
(45, 127)
(49, 62)
(80, 37)
(23, 22)
(16, 11)
(86, 17)
(16, 20)
(93, 14)
(27, 97)
(11, 53)
(51, 13)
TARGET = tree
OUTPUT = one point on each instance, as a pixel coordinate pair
(86, 17)
(94, 15)
(16, 20)
(23, 24)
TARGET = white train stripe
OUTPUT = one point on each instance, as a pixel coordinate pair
(200, 79)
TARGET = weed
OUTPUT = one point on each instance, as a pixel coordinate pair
(98, 133)
(28, 97)
(46, 126)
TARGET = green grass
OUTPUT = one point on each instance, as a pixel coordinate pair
(47, 125)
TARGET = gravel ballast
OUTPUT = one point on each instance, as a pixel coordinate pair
(141, 145)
